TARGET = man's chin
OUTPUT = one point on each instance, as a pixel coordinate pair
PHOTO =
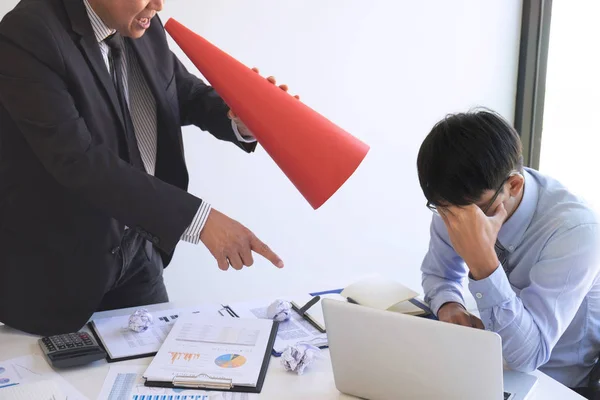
(134, 33)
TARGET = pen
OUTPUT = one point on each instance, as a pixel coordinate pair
(305, 316)
(351, 300)
(231, 312)
(308, 305)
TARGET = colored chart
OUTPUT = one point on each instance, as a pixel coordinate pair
(183, 356)
(230, 361)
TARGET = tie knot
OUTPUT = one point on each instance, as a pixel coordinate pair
(115, 42)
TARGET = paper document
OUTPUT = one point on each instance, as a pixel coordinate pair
(219, 348)
(121, 342)
(293, 331)
(378, 292)
(126, 383)
(33, 369)
(39, 390)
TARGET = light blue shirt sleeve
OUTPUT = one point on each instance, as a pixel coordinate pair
(442, 269)
(532, 323)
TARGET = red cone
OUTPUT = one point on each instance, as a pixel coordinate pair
(315, 154)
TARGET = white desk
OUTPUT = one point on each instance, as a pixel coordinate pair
(316, 383)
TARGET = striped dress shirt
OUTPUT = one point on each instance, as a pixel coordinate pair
(142, 107)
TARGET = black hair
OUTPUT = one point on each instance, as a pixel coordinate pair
(466, 154)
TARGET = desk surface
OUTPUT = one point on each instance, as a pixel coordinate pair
(316, 383)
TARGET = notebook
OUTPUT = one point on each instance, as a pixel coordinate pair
(385, 294)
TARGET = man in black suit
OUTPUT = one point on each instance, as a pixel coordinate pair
(93, 182)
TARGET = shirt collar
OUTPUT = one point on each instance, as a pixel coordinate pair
(512, 231)
(101, 31)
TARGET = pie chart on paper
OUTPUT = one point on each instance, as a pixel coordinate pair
(230, 361)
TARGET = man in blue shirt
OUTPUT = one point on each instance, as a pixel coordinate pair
(527, 246)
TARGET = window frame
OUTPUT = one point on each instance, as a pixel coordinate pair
(531, 78)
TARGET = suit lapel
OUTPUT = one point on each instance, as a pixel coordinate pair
(81, 25)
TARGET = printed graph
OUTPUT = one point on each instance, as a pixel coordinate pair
(171, 397)
(124, 384)
(230, 361)
(175, 356)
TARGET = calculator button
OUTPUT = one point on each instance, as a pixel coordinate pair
(79, 344)
(70, 345)
(61, 347)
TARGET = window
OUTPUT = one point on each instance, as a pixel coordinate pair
(570, 137)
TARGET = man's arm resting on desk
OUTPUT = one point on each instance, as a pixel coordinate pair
(531, 324)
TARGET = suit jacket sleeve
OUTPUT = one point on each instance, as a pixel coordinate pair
(35, 92)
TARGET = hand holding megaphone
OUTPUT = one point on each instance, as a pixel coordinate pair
(242, 128)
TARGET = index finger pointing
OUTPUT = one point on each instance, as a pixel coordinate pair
(259, 247)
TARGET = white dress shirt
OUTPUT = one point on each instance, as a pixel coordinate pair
(142, 107)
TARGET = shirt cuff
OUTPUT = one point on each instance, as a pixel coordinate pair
(443, 298)
(493, 290)
(238, 135)
(192, 233)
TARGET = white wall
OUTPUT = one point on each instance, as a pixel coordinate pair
(385, 71)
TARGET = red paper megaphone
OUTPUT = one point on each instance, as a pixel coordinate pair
(315, 154)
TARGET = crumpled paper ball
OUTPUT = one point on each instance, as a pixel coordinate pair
(296, 358)
(140, 320)
(279, 310)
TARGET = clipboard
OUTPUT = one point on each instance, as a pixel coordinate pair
(204, 381)
(108, 358)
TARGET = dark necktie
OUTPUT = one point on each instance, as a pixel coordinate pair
(502, 254)
(115, 42)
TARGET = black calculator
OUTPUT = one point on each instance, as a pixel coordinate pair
(71, 349)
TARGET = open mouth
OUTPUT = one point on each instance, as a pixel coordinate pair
(144, 23)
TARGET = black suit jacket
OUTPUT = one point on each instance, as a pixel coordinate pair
(66, 188)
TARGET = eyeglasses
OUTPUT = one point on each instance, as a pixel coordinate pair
(434, 209)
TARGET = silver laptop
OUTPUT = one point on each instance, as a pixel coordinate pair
(385, 355)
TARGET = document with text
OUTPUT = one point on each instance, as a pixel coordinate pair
(120, 342)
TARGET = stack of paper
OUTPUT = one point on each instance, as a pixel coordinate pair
(296, 329)
(122, 343)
